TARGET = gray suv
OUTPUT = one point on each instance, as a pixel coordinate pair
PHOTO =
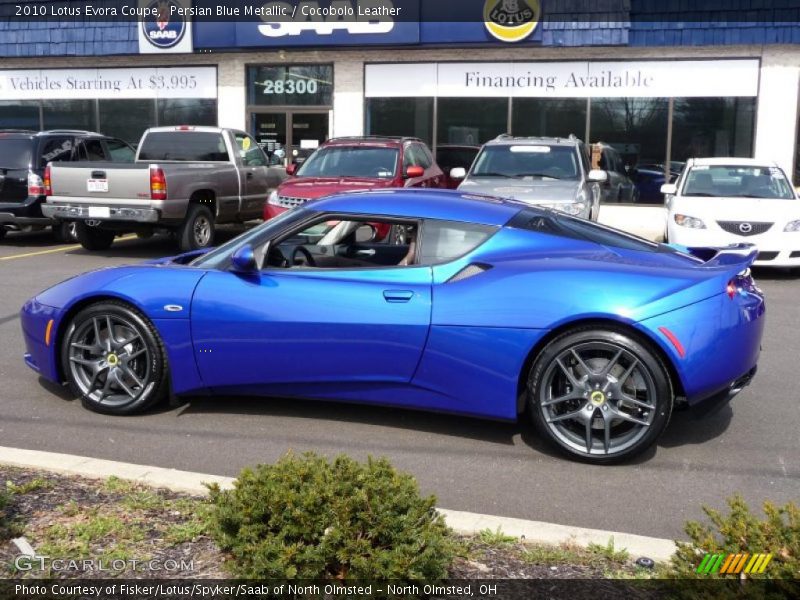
(550, 172)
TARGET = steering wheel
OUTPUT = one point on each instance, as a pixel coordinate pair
(309, 259)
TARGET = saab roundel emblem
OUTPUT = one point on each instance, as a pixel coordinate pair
(745, 228)
(163, 27)
(511, 20)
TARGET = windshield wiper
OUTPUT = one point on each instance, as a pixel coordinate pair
(706, 194)
(494, 175)
(540, 175)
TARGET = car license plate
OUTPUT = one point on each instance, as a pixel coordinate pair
(99, 212)
(97, 185)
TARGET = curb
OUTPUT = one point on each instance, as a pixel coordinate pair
(658, 549)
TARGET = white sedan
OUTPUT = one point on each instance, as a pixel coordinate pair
(723, 201)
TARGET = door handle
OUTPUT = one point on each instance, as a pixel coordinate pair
(397, 296)
(249, 175)
(369, 252)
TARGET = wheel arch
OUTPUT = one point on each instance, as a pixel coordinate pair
(626, 328)
(205, 197)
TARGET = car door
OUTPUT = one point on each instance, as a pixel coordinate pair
(255, 174)
(291, 329)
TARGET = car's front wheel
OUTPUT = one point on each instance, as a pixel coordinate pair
(599, 395)
(113, 359)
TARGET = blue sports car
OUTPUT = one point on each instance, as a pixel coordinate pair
(470, 304)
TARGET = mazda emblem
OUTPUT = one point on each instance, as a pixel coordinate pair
(745, 228)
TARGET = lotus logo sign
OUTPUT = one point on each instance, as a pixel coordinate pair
(164, 28)
(511, 20)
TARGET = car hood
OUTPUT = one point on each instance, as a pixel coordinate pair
(737, 209)
(533, 191)
(310, 188)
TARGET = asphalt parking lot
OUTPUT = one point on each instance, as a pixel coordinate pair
(497, 468)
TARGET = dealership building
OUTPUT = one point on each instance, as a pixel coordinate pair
(658, 80)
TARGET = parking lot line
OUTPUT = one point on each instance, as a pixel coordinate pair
(59, 249)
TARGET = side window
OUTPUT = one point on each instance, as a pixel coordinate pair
(423, 157)
(249, 151)
(120, 151)
(409, 157)
(443, 241)
(56, 149)
(91, 150)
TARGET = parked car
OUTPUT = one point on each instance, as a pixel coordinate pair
(549, 172)
(184, 179)
(720, 201)
(618, 187)
(479, 308)
(648, 179)
(23, 157)
(450, 157)
(356, 163)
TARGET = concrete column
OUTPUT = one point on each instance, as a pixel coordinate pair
(232, 92)
(348, 98)
(776, 121)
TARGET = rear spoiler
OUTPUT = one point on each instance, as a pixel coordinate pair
(734, 255)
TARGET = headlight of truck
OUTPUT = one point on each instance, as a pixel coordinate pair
(273, 197)
(793, 226)
(690, 222)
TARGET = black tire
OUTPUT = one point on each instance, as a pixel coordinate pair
(137, 377)
(2, 232)
(576, 410)
(65, 232)
(93, 238)
(197, 230)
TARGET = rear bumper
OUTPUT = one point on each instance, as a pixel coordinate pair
(27, 212)
(115, 213)
(715, 402)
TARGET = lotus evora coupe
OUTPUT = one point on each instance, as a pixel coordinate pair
(470, 304)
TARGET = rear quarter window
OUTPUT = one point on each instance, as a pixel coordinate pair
(15, 153)
(443, 241)
(189, 146)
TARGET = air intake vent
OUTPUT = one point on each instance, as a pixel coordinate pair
(469, 271)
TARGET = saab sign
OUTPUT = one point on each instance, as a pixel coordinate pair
(163, 28)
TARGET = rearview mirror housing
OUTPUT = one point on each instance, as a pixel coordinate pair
(598, 175)
(414, 171)
(244, 260)
(458, 173)
(291, 168)
(669, 189)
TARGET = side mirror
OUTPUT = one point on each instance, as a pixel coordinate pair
(244, 260)
(414, 171)
(669, 189)
(458, 173)
(598, 175)
(291, 169)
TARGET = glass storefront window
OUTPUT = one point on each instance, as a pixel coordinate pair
(703, 127)
(296, 85)
(126, 119)
(187, 111)
(19, 114)
(69, 114)
(551, 117)
(401, 116)
(635, 127)
(471, 121)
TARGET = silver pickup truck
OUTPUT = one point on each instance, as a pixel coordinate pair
(184, 180)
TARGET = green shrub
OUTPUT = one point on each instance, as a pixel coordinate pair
(306, 517)
(6, 528)
(742, 531)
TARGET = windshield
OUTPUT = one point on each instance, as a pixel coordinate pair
(15, 154)
(218, 257)
(736, 181)
(545, 162)
(351, 161)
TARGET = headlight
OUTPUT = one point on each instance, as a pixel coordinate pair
(571, 208)
(792, 226)
(690, 222)
(273, 197)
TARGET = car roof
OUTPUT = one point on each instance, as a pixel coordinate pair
(509, 140)
(371, 140)
(447, 205)
(732, 162)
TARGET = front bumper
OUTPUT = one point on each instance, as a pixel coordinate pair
(775, 248)
(39, 355)
(68, 212)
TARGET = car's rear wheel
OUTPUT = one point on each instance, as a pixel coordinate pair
(113, 359)
(2, 232)
(93, 238)
(599, 395)
(197, 230)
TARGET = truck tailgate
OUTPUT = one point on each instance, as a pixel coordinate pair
(101, 183)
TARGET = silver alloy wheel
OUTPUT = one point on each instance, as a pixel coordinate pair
(202, 231)
(109, 360)
(598, 398)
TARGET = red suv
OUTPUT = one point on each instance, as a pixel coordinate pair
(357, 163)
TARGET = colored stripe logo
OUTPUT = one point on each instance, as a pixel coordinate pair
(733, 564)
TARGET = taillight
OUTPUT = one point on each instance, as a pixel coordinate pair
(35, 185)
(743, 282)
(158, 184)
(48, 187)
(731, 289)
